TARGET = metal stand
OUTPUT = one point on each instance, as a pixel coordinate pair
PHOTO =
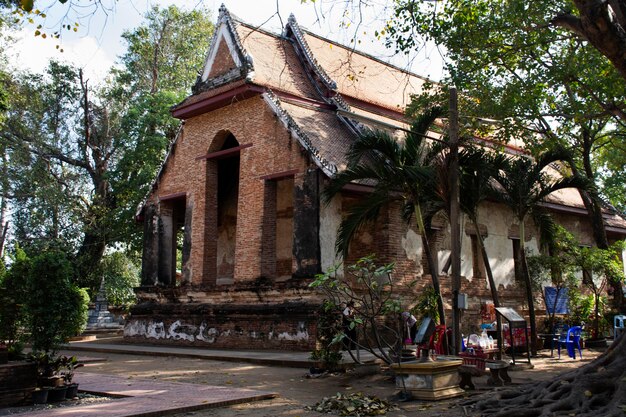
(515, 322)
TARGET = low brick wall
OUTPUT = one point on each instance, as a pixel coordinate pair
(17, 381)
(284, 326)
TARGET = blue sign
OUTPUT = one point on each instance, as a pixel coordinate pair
(560, 307)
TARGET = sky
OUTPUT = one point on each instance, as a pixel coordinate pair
(97, 42)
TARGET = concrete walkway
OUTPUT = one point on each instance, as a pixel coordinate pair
(291, 359)
(143, 398)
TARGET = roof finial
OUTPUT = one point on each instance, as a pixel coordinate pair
(224, 14)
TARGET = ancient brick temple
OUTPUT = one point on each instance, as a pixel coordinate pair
(234, 227)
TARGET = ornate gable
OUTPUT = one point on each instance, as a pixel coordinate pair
(226, 60)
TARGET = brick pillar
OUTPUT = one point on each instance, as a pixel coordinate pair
(209, 258)
(248, 243)
(150, 256)
(167, 246)
(268, 250)
(306, 224)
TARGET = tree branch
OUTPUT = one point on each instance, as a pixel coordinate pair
(570, 23)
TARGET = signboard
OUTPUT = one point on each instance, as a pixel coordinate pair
(426, 329)
(556, 301)
(510, 315)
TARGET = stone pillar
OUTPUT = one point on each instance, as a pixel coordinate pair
(186, 268)
(167, 246)
(150, 256)
(268, 249)
(306, 223)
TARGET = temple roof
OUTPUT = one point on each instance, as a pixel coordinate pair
(325, 93)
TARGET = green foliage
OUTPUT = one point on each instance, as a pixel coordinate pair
(537, 80)
(120, 275)
(68, 365)
(57, 309)
(329, 334)
(426, 305)
(377, 305)
(13, 295)
(600, 266)
(581, 306)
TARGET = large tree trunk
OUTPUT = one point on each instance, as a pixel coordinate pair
(4, 184)
(603, 31)
(595, 389)
(594, 208)
(529, 292)
(432, 265)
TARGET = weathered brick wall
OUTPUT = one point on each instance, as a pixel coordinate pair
(272, 151)
(286, 326)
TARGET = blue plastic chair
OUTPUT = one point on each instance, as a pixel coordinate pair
(618, 326)
(572, 342)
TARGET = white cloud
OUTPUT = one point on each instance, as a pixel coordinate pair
(33, 53)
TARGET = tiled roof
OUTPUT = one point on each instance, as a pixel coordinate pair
(363, 77)
(275, 62)
(306, 77)
(317, 129)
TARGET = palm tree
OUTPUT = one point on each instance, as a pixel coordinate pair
(523, 184)
(397, 171)
(477, 168)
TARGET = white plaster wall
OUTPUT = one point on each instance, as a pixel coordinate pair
(467, 269)
(412, 245)
(330, 219)
(497, 244)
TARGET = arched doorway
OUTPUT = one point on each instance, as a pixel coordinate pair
(222, 199)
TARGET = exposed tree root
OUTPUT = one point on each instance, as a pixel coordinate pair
(596, 389)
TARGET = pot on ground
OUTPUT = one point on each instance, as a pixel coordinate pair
(594, 343)
(57, 394)
(40, 396)
(72, 391)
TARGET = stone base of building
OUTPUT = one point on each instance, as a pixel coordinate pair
(281, 325)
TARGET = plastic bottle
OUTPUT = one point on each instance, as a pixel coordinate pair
(491, 343)
(484, 340)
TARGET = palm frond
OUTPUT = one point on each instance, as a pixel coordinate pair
(362, 213)
(415, 143)
(375, 146)
(547, 227)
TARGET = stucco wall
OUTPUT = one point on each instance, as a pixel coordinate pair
(330, 219)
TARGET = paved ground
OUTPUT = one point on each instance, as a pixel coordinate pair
(149, 398)
(215, 376)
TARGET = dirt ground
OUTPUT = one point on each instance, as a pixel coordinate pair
(297, 389)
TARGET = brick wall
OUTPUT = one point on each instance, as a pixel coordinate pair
(255, 256)
(272, 151)
(282, 325)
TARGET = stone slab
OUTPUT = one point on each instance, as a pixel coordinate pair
(147, 398)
